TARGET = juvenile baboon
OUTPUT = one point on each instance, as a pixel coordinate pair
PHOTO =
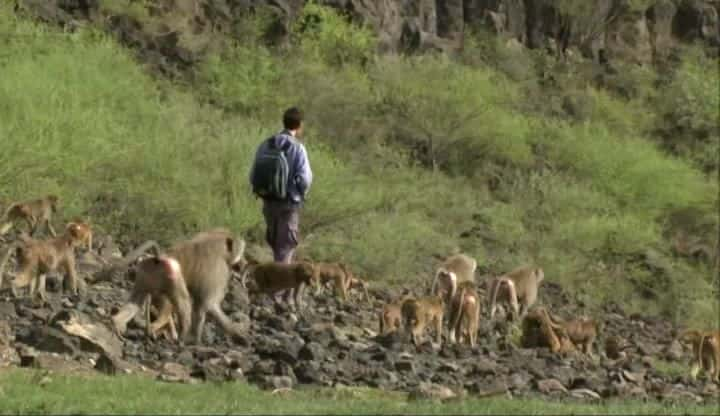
(163, 310)
(706, 352)
(417, 314)
(36, 258)
(84, 232)
(341, 276)
(34, 212)
(272, 277)
(453, 270)
(526, 280)
(465, 314)
(192, 272)
(502, 290)
(391, 317)
(538, 332)
(582, 332)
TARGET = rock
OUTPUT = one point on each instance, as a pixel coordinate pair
(584, 394)
(483, 367)
(94, 337)
(634, 377)
(520, 380)
(174, 373)
(551, 385)
(52, 340)
(211, 370)
(309, 372)
(674, 351)
(430, 391)
(185, 358)
(405, 366)
(7, 310)
(277, 382)
(111, 365)
(8, 356)
(449, 367)
(7, 335)
(311, 351)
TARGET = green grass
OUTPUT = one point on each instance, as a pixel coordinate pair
(21, 392)
(584, 193)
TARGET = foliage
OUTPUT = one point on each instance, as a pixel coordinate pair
(21, 393)
(322, 33)
(533, 161)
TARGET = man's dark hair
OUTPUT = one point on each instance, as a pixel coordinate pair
(292, 118)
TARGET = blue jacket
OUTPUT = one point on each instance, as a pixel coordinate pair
(300, 175)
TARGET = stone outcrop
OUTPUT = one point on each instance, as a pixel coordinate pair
(602, 29)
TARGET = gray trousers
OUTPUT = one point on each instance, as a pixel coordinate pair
(282, 233)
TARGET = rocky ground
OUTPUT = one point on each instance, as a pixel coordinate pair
(334, 343)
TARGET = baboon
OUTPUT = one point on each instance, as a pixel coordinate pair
(615, 347)
(582, 332)
(391, 317)
(341, 276)
(502, 290)
(706, 352)
(526, 280)
(417, 314)
(36, 258)
(34, 212)
(272, 277)
(84, 232)
(163, 312)
(465, 314)
(538, 332)
(193, 273)
(455, 269)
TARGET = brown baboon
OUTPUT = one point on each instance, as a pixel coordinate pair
(270, 278)
(193, 272)
(706, 352)
(341, 276)
(502, 290)
(582, 332)
(34, 212)
(526, 280)
(417, 314)
(538, 332)
(391, 317)
(465, 314)
(36, 258)
(453, 270)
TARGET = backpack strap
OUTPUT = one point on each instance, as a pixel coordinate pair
(273, 144)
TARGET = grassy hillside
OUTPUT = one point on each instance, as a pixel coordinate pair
(502, 153)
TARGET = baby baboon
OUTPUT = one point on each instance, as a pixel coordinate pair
(390, 317)
(340, 275)
(35, 212)
(538, 332)
(417, 314)
(163, 310)
(192, 272)
(453, 270)
(706, 352)
(84, 232)
(270, 278)
(465, 314)
(582, 332)
(502, 290)
(36, 258)
(526, 280)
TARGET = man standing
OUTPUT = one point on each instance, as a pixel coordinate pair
(281, 176)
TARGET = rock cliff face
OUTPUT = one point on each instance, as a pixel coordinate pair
(612, 29)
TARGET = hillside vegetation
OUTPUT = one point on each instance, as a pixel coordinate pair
(507, 154)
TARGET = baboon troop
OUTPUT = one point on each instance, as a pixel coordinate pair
(178, 287)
